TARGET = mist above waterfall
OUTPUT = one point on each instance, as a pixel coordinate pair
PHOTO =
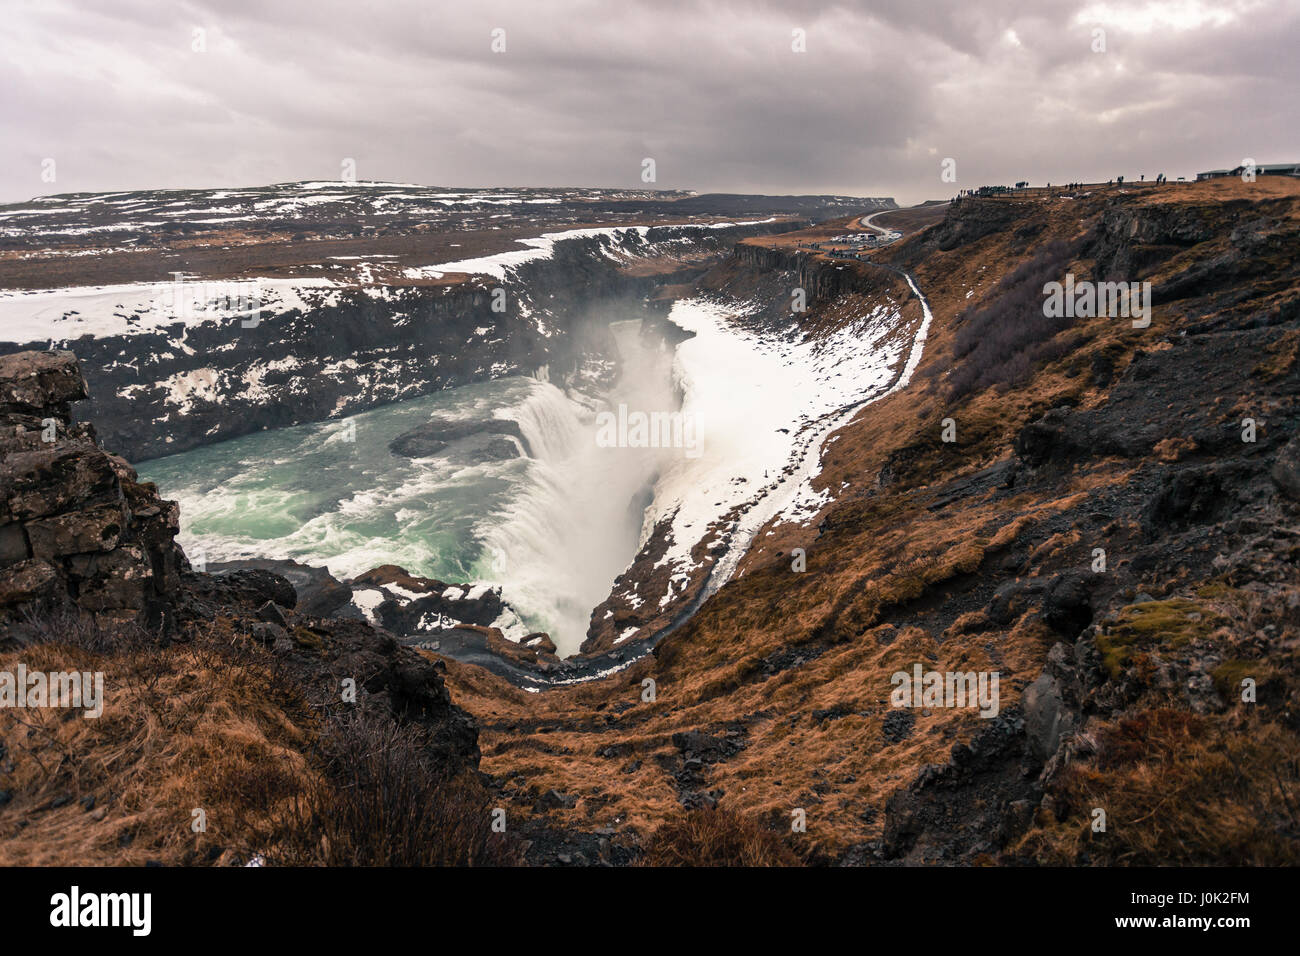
(577, 524)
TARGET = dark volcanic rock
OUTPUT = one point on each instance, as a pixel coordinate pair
(1011, 600)
(458, 602)
(705, 747)
(1041, 440)
(77, 529)
(249, 588)
(1286, 469)
(554, 800)
(270, 612)
(1193, 495)
(1046, 717)
(319, 593)
(953, 810)
(1065, 436)
(1067, 605)
(40, 383)
(897, 725)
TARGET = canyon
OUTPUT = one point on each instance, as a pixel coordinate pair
(739, 664)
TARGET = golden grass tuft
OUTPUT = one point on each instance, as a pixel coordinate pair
(1180, 790)
(716, 837)
(212, 724)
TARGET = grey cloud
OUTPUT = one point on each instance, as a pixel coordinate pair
(585, 90)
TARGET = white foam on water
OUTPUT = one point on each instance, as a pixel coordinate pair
(575, 525)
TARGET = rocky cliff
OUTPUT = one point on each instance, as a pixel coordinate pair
(78, 528)
(88, 564)
(316, 352)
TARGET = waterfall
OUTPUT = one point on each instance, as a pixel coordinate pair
(553, 529)
(549, 421)
(572, 527)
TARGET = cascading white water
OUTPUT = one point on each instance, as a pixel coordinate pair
(558, 545)
(551, 423)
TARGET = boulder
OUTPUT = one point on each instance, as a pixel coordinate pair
(434, 437)
(1046, 719)
(1286, 469)
(270, 613)
(540, 641)
(1067, 604)
(1192, 495)
(555, 800)
(39, 382)
(1011, 600)
(1041, 440)
(249, 588)
(319, 593)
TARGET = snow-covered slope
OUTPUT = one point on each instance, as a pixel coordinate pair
(297, 205)
(761, 407)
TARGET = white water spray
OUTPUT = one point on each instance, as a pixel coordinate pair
(578, 523)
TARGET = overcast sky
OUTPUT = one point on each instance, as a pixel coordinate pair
(125, 94)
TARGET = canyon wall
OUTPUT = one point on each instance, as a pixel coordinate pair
(330, 352)
(657, 593)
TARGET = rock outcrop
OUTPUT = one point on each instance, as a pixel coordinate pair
(77, 529)
(434, 437)
(82, 538)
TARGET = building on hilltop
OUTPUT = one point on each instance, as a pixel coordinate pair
(1268, 169)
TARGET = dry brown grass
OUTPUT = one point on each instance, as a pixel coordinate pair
(205, 725)
(716, 837)
(208, 724)
(1180, 789)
